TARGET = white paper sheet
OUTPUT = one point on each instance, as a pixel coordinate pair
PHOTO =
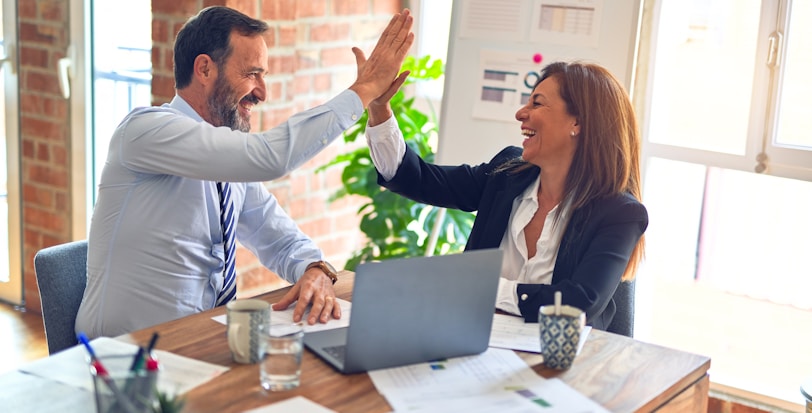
(575, 23)
(548, 396)
(287, 316)
(496, 380)
(512, 332)
(298, 404)
(178, 374)
(487, 19)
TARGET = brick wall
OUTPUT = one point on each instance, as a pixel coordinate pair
(310, 61)
(45, 134)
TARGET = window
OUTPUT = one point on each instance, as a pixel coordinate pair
(110, 67)
(122, 71)
(728, 165)
(434, 20)
(720, 94)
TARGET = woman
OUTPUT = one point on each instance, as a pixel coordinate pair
(565, 208)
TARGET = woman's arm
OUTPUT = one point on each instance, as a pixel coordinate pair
(457, 187)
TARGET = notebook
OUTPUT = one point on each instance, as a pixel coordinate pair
(414, 310)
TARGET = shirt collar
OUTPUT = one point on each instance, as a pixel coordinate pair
(179, 104)
(532, 191)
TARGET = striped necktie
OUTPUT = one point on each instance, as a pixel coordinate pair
(227, 221)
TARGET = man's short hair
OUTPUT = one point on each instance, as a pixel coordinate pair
(208, 33)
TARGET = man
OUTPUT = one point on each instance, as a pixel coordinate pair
(182, 180)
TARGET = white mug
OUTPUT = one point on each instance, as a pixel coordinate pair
(245, 322)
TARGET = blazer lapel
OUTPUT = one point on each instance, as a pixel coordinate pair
(496, 221)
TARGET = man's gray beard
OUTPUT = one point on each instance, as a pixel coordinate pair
(223, 114)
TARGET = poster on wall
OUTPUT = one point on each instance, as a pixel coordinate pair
(506, 81)
(567, 22)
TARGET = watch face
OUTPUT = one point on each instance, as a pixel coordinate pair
(330, 267)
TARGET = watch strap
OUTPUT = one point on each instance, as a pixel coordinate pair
(326, 267)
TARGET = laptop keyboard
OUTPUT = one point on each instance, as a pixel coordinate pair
(337, 352)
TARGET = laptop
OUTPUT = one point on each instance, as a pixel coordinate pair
(414, 310)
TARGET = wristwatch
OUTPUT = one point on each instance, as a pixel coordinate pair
(328, 269)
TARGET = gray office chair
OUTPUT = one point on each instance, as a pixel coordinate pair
(623, 323)
(61, 279)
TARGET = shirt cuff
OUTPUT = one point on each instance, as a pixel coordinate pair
(386, 147)
(506, 299)
(347, 105)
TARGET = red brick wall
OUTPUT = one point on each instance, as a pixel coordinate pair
(310, 61)
(45, 134)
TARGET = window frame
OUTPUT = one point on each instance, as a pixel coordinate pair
(784, 162)
(780, 161)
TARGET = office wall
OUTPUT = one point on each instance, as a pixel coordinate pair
(45, 134)
(310, 61)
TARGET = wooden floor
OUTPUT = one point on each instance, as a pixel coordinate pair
(23, 337)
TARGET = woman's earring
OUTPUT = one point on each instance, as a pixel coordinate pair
(572, 133)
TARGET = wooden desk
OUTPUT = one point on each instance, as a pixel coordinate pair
(622, 374)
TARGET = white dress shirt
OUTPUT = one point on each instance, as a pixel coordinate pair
(387, 147)
(156, 249)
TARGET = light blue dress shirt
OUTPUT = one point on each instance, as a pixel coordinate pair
(155, 248)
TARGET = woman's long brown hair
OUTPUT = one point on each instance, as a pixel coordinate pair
(607, 159)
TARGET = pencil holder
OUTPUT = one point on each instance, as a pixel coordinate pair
(117, 387)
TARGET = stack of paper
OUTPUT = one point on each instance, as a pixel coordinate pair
(496, 380)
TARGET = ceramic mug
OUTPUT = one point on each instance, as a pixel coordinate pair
(560, 333)
(245, 320)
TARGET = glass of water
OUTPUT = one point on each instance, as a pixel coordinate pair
(281, 366)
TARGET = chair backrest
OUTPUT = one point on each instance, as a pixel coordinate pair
(623, 323)
(61, 278)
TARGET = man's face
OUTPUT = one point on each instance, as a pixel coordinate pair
(240, 83)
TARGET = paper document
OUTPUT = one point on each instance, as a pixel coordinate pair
(178, 374)
(287, 316)
(508, 331)
(496, 380)
(298, 404)
(547, 396)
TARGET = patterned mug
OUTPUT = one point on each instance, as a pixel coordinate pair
(560, 334)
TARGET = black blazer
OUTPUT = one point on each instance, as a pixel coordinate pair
(595, 248)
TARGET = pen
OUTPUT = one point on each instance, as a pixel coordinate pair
(152, 378)
(83, 339)
(105, 376)
(143, 354)
(139, 355)
(152, 342)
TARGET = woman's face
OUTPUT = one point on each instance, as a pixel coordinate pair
(547, 126)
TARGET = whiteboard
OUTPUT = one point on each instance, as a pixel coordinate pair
(495, 51)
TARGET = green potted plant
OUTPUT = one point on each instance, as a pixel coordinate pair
(396, 227)
(167, 403)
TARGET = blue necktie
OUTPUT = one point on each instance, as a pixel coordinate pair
(227, 221)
